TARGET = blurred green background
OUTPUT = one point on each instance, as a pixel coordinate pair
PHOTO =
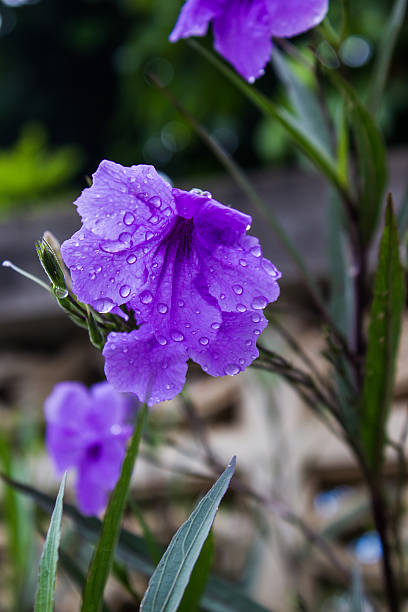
(74, 89)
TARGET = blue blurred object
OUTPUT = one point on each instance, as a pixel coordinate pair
(327, 503)
(368, 549)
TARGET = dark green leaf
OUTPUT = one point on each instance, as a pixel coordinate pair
(44, 601)
(402, 217)
(385, 51)
(383, 338)
(304, 102)
(220, 595)
(198, 579)
(102, 559)
(170, 578)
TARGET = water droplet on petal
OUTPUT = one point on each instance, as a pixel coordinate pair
(242, 361)
(231, 369)
(256, 251)
(162, 308)
(257, 332)
(256, 317)
(161, 340)
(215, 325)
(243, 263)
(125, 291)
(146, 297)
(98, 269)
(248, 342)
(241, 307)
(154, 219)
(222, 296)
(149, 235)
(180, 303)
(128, 218)
(155, 201)
(131, 259)
(259, 302)
(104, 305)
(125, 238)
(177, 336)
(204, 341)
(237, 289)
(270, 268)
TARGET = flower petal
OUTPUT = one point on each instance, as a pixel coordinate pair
(136, 362)
(108, 411)
(195, 17)
(243, 36)
(293, 17)
(123, 198)
(239, 277)
(235, 345)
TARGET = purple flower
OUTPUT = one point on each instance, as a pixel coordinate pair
(184, 264)
(243, 28)
(86, 430)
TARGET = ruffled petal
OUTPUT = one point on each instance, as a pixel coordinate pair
(108, 411)
(242, 35)
(104, 273)
(238, 276)
(136, 362)
(123, 198)
(195, 17)
(234, 348)
(293, 17)
(65, 412)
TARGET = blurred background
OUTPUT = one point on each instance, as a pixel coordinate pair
(74, 89)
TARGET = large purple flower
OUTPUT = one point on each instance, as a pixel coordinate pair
(243, 28)
(184, 264)
(87, 430)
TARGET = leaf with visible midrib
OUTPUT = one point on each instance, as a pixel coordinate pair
(383, 339)
(171, 577)
(44, 601)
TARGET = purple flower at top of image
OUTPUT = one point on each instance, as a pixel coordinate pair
(87, 429)
(243, 28)
(184, 264)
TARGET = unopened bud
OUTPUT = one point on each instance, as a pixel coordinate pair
(95, 335)
(52, 267)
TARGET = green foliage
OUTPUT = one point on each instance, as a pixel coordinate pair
(104, 554)
(30, 171)
(44, 601)
(383, 339)
(169, 581)
(198, 579)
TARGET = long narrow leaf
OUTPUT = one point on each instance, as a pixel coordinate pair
(44, 601)
(198, 579)
(102, 559)
(383, 337)
(308, 143)
(170, 579)
(220, 595)
(384, 54)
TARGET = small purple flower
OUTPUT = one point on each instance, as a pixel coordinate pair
(184, 264)
(243, 28)
(86, 430)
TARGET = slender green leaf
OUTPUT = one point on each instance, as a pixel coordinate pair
(304, 102)
(402, 217)
(102, 559)
(307, 142)
(198, 579)
(44, 601)
(170, 578)
(220, 595)
(385, 51)
(154, 550)
(372, 160)
(383, 338)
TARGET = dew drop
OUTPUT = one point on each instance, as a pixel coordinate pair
(146, 297)
(256, 251)
(98, 269)
(241, 307)
(154, 219)
(124, 291)
(167, 212)
(169, 386)
(128, 218)
(180, 303)
(257, 332)
(204, 341)
(237, 289)
(111, 246)
(242, 361)
(155, 201)
(131, 259)
(177, 336)
(243, 263)
(162, 308)
(188, 325)
(259, 302)
(161, 340)
(104, 305)
(215, 325)
(248, 342)
(222, 296)
(111, 280)
(270, 268)
(149, 235)
(92, 275)
(125, 238)
(256, 317)
(231, 369)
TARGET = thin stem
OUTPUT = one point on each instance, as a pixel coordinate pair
(8, 264)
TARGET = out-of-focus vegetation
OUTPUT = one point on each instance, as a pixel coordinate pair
(79, 70)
